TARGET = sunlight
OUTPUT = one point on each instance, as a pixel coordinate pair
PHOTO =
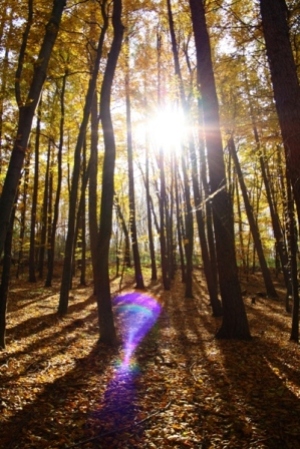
(167, 129)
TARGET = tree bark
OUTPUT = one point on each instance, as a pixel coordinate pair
(93, 184)
(51, 250)
(234, 323)
(285, 85)
(67, 267)
(105, 315)
(132, 215)
(32, 265)
(270, 289)
(25, 119)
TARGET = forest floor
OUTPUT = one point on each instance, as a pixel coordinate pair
(61, 388)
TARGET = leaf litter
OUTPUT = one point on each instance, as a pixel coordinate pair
(61, 388)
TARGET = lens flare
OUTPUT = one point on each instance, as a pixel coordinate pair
(136, 313)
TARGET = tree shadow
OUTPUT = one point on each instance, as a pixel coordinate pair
(243, 392)
(51, 419)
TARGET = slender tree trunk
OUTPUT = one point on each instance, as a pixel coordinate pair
(81, 219)
(26, 115)
(270, 289)
(4, 76)
(51, 250)
(32, 248)
(211, 243)
(4, 286)
(235, 323)
(105, 315)
(24, 198)
(180, 230)
(93, 184)
(67, 267)
(241, 228)
(132, 215)
(189, 234)
(294, 266)
(280, 243)
(149, 220)
(126, 258)
(162, 191)
(207, 266)
(43, 236)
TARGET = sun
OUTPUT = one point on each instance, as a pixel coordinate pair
(167, 129)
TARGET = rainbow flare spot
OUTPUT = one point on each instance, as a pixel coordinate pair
(136, 313)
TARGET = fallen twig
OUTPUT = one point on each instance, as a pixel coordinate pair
(121, 429)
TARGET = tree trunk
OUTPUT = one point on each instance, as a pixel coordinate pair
(43, 235)
(26, 115)
(235, 323)
(32, 266)
(285, 85)
(67, 267)
(126, 257)
(51, 250)
(4, 286)
(180, 229)
(93, 184)
(270, 289)
(105, 315)
(24, 198)
(149, 219)
(294, 266)
(132, 216)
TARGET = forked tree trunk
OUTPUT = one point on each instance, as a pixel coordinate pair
(105, 315)
(235, 323)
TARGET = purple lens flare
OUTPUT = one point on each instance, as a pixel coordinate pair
(136, 313)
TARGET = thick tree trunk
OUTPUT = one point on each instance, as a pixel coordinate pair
(235, 323)
(25, 120)
(285, 85)
(105, 315)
